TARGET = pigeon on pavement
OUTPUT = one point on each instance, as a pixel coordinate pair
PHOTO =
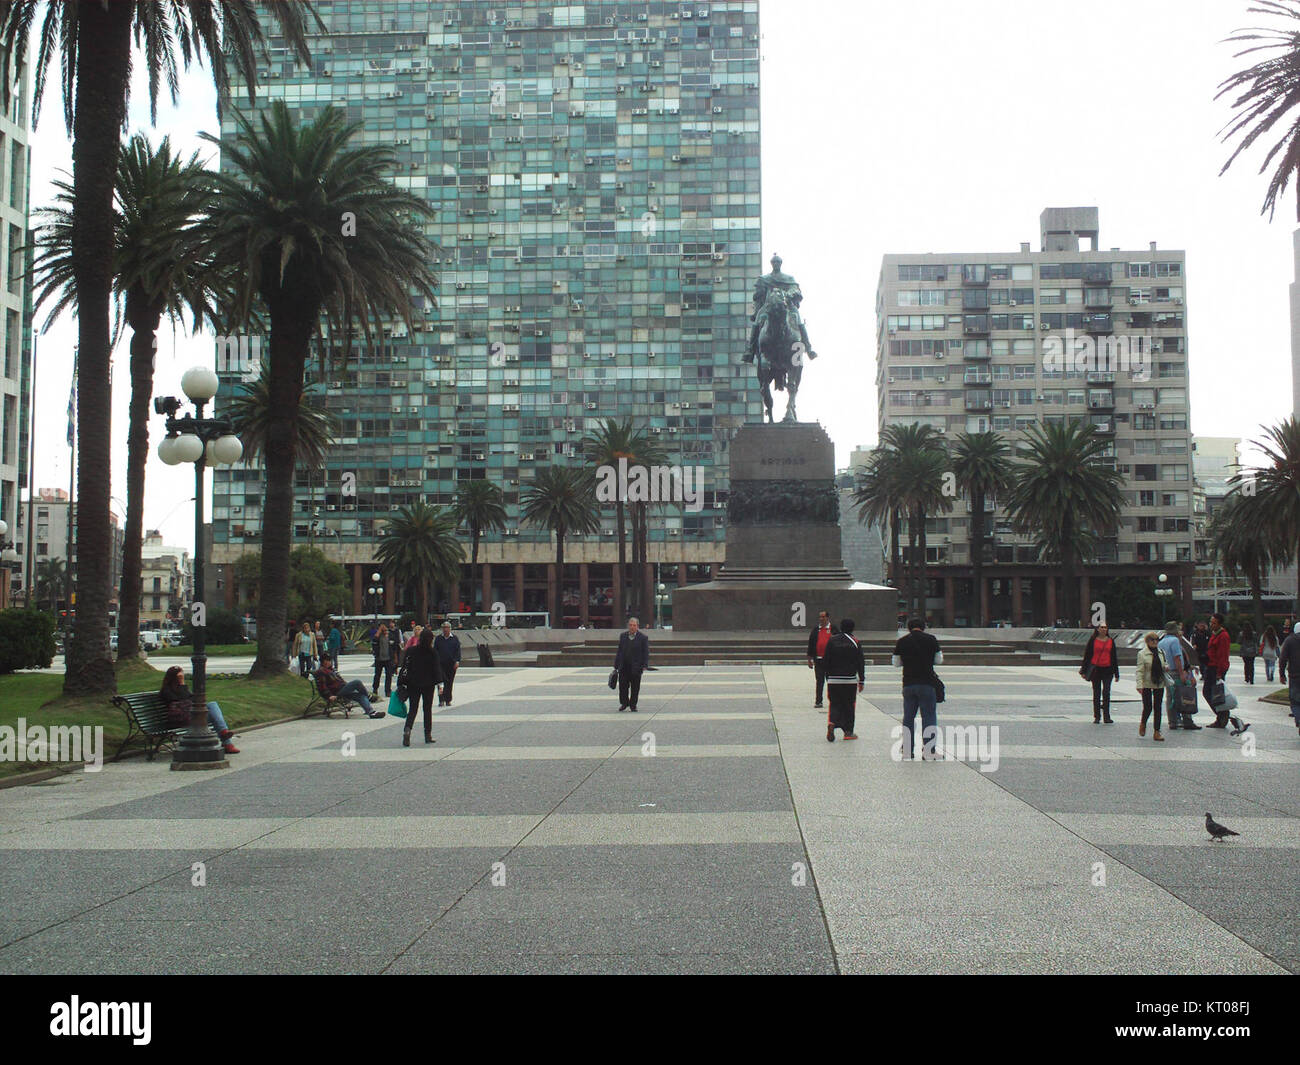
(1238, 726)
(1216, 830)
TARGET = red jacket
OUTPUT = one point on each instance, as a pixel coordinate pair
(1219, 644)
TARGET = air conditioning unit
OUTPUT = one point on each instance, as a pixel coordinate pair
(330, 506)
(1012, 303)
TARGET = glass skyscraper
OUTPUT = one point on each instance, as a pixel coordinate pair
(595, 174)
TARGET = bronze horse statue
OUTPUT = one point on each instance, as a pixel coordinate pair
(781, 354)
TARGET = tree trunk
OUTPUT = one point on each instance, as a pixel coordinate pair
(922, 592)
(1069, 574)
(1257, 597)
(473, 572)
(557, 619)
(977, 556)
(620, 575)
(143, 342)
(896, 547)
(290, 341)
(634, 595)
(103, 73)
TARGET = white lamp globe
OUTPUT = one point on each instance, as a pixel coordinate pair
(200, 384)
(4, 527)
(11, 556)
(187, 448)
(376, 577)
(1162, 578)
(227, 449)
(167, 451)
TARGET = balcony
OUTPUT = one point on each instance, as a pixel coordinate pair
(1097, 298)
(976, 354)
(1099, 377)
(1096, 273)
(1102, 401)
(1098, 323)
(975, 275)
(979, 401)
(975, 325)
(977, 377)
(1105, 426)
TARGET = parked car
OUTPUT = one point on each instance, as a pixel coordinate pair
(151, 639)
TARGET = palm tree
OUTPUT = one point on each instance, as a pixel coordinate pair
(480, 504)
(1064, 497)
(51, 581)
(1269, 94)
(156, 274)
(1276, 485)
(562, 500)
(877, 493)
(982, 465)
(1242, 540)
(94, 43)
(919, 459)
(419, 546)
(646, 452)
(250, 413)
(313, 229)
(604, 446)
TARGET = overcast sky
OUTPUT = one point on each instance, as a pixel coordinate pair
(931, 126)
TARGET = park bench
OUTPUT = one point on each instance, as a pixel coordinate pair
(320, 703)
(146, 719)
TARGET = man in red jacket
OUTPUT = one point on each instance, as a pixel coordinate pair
(1216, 667)
(817, 641)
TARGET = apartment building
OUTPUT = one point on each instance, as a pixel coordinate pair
(1004, 340)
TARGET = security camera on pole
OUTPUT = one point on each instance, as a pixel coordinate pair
(204, 442)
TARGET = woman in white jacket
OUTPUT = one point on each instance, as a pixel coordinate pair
(1151, 670)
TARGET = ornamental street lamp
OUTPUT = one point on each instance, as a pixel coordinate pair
(1164, 593)
(204, 442)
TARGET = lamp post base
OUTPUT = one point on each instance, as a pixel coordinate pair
(199, 752)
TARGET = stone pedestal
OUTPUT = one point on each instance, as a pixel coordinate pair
(784, 562)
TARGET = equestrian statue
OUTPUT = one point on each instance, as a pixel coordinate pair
(778, 339)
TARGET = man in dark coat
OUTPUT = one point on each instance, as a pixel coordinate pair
(845, 667)
(447, 647)
(817, 641)
(631, 661)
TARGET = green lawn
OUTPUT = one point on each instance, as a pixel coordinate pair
(36, 697)
(212, 650)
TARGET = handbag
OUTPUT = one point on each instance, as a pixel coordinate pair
(1218, 695)
(1087, 671)
(939, 690)
(1186, 696)
(397, 705)
(613, 679)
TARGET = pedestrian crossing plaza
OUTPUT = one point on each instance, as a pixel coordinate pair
(713, 831)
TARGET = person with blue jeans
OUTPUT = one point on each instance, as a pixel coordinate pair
(1288, 664)
(918, 653)
(332, 686)
(180, 701)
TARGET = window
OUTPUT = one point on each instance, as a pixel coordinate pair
(1144, 472)
(1054, 397)
(908, 272)
(1147, 525)
(1175, 471)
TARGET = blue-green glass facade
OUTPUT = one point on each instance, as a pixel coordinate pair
(595, 174)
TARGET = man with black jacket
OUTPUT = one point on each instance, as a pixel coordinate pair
(447, 648)
(817, 641)
(845, 667)
(918, 653)
(631, 661)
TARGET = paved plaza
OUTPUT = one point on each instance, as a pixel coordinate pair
(714, 831)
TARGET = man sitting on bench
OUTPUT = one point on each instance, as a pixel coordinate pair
(331, 685)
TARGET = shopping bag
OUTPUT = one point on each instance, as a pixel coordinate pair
(396, 705)
(1218, 696)
(1186, 697)
(1229, 700)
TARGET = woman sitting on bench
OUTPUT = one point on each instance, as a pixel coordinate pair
(180, 701)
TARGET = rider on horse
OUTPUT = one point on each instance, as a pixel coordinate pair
(786, 284)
